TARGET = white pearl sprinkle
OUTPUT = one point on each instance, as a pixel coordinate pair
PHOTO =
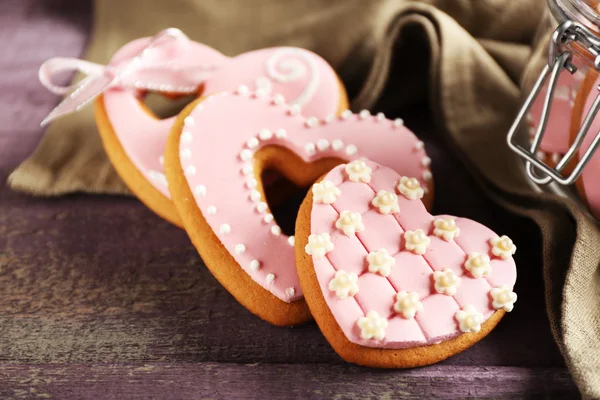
(225, 229)
(310, 148)
(261, 207)
(245, 155)
(252, 143)
(243, 90)
(189, 121)
(322, 144)
(351, 150)
(240, 248)
(200, 190)
(329, 119)
(276, 230)
(556, 158)
(247, 169)
(426, 161)
(278, 99)
(427, 175)
(291, 240)
(187, 137)
(270, 279)
(364, 114)
(255, 195)
(346, 114)
(211, 210)
(260, 93)
(337, 144)
(254, 265)
(311, 122)
(185, 154)
(280, 133)
(294, 110)
(265, 134)
(380, 116)
(251, 183)
(419, 145)
(268, 218)
(191, 170)
(161, 160)
(290, 291)
(398, 122)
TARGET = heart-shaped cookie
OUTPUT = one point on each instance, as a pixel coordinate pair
(135, 139)
(215, 156)
(391, 285)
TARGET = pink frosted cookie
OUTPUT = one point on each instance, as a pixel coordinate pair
(389, 284)
(215, 157)
(135, 139)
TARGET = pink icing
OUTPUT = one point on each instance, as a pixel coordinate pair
(411, 273)
(298, 71)
(556, 137)
(218, 133)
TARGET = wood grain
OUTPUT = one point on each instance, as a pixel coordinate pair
(268, 381)
(99, 298)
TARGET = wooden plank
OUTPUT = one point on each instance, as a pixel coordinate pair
(102, 279)
(272, 381)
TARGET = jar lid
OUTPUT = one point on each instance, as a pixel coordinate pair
(586, 12)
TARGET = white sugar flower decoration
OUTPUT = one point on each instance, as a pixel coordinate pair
(503, 247)
(410, 188)
(325, 192)
(469, 319)
(386, 202)
(350, 222)
(359, 171)
(408, 304)
(416, 241)
(503, 297)
(446, 228)
(478, 265)
(318, 245)
(380, 262)
(344, 284)
(446, 281)
(372, 326)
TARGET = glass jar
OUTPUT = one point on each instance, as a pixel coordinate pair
(558, 130)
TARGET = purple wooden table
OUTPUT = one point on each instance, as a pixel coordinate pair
(99, 298)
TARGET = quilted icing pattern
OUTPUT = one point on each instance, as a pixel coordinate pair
(436, 321)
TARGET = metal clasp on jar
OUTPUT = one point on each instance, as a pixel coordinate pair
(559, 61)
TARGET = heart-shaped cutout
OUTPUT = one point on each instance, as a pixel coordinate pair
(135, 139)
(389, 284)
(214, 159)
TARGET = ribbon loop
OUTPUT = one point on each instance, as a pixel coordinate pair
(147, 70)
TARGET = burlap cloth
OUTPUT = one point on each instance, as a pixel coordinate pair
(467, 57)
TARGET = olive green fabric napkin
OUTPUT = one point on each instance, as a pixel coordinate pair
(478, 55)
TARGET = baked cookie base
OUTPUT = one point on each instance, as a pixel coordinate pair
(357, 354)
